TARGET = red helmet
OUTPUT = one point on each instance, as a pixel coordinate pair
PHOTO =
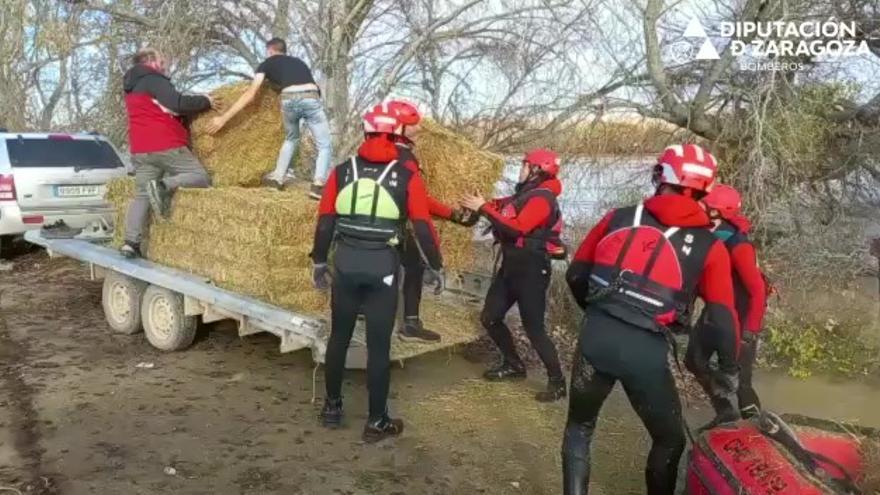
(407, 113)
(381, 122)
(725, 199)
(686, 165)
(544, 159)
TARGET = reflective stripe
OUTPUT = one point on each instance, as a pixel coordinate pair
(643, 298)
(677, 148)
(385, 120)
(698, 169)
(699, 151)
(599, 280)
(354, 169)
(368, 229)
(638, 216)
(385, 172)
(670, 232)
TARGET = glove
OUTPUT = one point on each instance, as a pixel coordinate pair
(321, 276)
(463, 216)
(437, 279)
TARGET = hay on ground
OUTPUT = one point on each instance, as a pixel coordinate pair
(870, 484)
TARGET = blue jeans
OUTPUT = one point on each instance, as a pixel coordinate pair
(293, 111)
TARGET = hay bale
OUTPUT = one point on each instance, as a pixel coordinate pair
(257, 240)
(247, 147)
(120, 193)
(252, 241)
(452, 165)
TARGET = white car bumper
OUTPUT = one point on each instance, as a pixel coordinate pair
(13, 222)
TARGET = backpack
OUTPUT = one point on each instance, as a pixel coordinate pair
(648, 271)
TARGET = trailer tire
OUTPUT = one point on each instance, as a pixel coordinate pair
(165, 324)
(121, 299)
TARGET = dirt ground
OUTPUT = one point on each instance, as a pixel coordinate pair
(87, 411)
(234, 416)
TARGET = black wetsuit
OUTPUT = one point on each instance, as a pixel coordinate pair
(366, 264)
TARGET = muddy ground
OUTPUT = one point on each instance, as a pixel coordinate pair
(78, 415)
(233, 416)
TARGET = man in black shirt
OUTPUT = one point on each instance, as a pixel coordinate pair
(300, 101)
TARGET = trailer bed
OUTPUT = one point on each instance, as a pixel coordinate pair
(453, 316)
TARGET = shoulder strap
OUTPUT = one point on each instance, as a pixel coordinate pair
(655, 253)
(381, 178)
(630, 236)
(354, 184)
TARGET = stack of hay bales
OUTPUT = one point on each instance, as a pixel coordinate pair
(256, 241)
(453, 165)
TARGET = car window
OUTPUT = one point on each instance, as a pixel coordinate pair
(89, 153)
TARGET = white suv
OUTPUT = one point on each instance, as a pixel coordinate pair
(49, 177)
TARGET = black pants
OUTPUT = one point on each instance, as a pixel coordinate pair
(413, 277)
(748, 398)
(523, 280)
(609, 351)
(719, 382)
(365, 280)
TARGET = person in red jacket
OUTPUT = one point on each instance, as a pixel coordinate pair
(159, 140)
(413, 265)
(635, 274)
(363, 211)
(750, 290)
(524, 225)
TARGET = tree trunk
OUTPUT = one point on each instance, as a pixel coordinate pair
(281, 26)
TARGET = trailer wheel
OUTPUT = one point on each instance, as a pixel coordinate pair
(121, 299)
(165, 324)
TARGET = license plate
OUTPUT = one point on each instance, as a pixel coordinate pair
(78, 191)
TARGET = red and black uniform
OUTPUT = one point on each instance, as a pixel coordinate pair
(366, 261)
(635, 273)
(750, 290)
(521, 223)
(411, 258)
(156, 111)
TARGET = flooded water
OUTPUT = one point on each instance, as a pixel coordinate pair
(591, 186)
(844, 400)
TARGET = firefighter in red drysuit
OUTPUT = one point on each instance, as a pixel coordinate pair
(749, 286)
(413, 265)
(364, 207)
(523, 225)
(635, 273)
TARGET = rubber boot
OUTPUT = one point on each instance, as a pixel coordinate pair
(555, 391)
(576, 459)
(331, 413)
(382, 428)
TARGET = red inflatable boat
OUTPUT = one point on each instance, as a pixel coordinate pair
(766, 456)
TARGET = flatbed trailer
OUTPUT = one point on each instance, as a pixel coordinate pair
(166, 303)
